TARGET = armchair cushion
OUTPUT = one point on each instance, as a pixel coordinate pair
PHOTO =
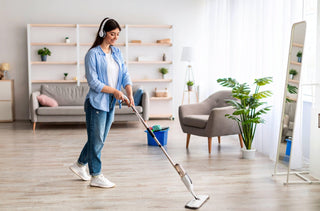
(199, 121)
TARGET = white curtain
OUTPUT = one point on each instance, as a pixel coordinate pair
(249, 39)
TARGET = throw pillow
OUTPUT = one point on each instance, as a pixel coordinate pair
(137, 97)
(44, 100)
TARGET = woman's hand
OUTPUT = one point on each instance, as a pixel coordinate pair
(131, 103)
(118, 94)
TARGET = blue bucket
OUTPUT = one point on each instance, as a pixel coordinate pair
(161, 135)
(288, 149)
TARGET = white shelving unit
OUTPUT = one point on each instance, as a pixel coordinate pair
(69, 57)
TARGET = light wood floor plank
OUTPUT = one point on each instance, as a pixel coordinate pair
(35, 176)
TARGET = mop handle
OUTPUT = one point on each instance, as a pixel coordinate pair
(151, 133)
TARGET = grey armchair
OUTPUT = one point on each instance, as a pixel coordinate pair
(208, 119)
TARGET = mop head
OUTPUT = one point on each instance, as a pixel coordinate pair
(197, 203)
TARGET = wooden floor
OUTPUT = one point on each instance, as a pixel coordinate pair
(35, 176)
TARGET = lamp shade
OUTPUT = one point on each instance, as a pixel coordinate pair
(5, 66)
(187, 54)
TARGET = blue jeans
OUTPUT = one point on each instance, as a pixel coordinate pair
(98, 125)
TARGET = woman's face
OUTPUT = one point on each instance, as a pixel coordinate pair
(112, 36)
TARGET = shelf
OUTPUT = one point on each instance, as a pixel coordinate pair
(90, 44)
(292, 99)
(295, 63)
(151, 80)
(52, 81)
(94, 25)
(52, 44)
(293, 81)
(150, 26)
(150, 44)
(297, 45)
(54, 63)
(160, 116)
(160, 98)
(150, 62)
(54, 25)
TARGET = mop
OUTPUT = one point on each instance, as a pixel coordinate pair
(198, 200)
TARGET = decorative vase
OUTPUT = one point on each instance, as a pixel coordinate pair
(43, 58)
(164, 76)
(67, 40)
(291, 76)
(190, 88)
(248, 154)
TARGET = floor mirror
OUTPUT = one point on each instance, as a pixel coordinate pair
(292, 85)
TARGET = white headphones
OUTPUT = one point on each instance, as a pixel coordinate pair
(102, 33)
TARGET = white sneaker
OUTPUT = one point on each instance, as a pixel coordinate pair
(101, 181)
(80, 171)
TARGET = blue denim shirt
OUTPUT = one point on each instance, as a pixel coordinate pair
(97, 76)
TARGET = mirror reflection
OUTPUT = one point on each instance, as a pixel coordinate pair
(291, 93)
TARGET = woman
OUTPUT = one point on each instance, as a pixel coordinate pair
(106, 74)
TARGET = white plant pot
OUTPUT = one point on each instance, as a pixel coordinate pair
(248, 154)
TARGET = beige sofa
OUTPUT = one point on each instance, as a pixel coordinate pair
(70, 98)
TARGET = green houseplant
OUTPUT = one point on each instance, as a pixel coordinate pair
(247, 106)
(163, 71)
(293, 73)
(190, 85)
(44, 52)
(299, 55)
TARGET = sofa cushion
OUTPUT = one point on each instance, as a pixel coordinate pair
(127, 110)
(44, 100)
(199, 121)
(61, 110)
(66, 94)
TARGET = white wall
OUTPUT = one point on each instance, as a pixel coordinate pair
(186, 16)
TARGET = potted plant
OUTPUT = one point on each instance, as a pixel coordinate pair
(292, 73)
(248, 109)
(163, 71)
(65, 76)
(43, 53)
(190, 85)
(299, 55)
(67, 40)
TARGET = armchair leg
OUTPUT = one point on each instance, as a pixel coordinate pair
(209, 144)
(34, 127)
(241, 140)
(188, 140)
(219, 139)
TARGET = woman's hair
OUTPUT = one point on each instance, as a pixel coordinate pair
(109, 25)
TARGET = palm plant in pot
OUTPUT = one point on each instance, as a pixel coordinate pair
(248, 109)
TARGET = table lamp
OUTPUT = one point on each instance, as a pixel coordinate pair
(5, 67)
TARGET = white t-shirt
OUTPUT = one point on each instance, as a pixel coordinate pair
(112, 70)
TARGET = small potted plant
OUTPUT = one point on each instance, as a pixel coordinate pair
(163, 71)
(65, 76)
(299, 55)
(44, 52)
(293, 73)
(67, 40)
(190, 85)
